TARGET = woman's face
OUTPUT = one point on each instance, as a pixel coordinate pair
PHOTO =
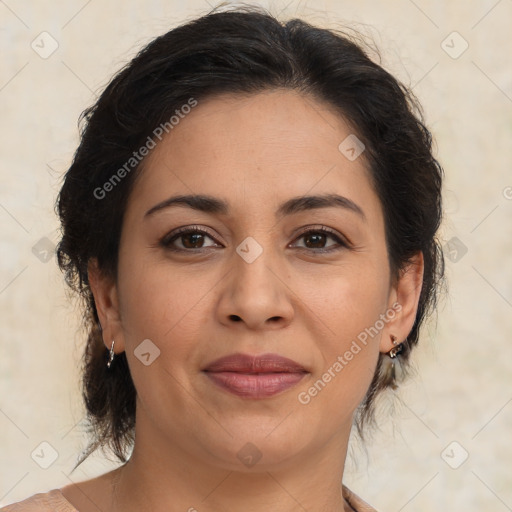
(251, 281)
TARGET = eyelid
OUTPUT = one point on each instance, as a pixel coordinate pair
(340, 239)
(324, 229)
(186, 229)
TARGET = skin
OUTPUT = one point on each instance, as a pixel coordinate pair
(254, 152)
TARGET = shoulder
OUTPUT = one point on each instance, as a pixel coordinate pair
(355, 501)
(71, 498)
(51, 501)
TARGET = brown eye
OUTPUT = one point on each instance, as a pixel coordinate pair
(192, 240)
(315, 240)
(188, 238)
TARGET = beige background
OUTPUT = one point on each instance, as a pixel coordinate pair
(462, 391)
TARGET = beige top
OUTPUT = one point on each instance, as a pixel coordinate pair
(54, 501)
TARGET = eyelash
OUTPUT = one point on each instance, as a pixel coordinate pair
(170, 238)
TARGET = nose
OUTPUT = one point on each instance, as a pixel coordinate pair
(256, 295)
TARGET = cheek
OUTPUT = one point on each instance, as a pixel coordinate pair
(350, 298)
(165, 307)
(166, 304)
(172, 303)
(173, 306)
(348, 314)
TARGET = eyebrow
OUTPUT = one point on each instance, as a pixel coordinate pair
(213, 205)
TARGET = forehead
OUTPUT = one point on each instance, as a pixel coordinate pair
(256, 146)
(277, 124)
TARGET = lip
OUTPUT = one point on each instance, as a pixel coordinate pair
(246, 363)
(255, 377)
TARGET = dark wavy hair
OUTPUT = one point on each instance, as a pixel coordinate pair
(244, 50)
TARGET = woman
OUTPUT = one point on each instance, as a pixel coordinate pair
(251, 221)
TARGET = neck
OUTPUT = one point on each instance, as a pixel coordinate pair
(175, 479)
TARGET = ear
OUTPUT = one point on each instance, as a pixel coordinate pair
(105, 295)
(404, 298)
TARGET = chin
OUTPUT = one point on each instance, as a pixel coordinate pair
(257, 446)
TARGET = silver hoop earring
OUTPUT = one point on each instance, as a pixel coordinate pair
(111, 357)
